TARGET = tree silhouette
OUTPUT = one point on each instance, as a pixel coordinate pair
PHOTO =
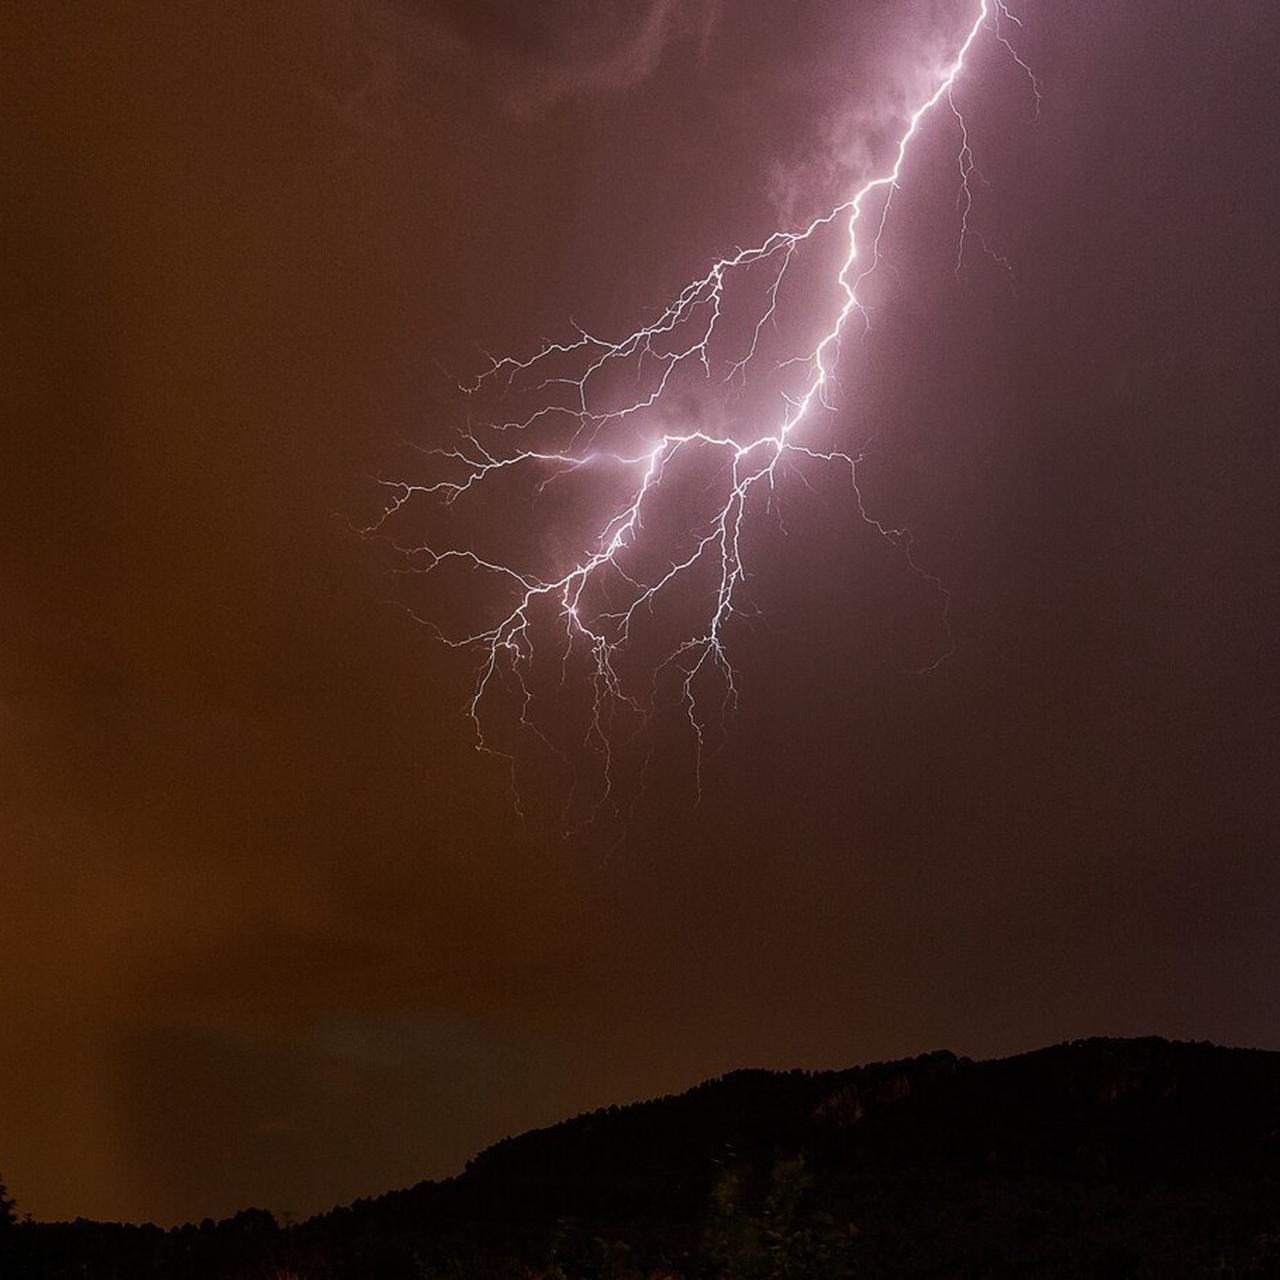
(1095, 1158)
(10, 1262)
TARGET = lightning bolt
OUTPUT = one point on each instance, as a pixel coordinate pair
(583, 391)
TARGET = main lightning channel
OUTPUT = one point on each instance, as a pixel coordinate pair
(680, 338)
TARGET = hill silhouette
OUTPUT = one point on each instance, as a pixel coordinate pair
(1099, 1158)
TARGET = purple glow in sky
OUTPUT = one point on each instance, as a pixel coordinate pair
(611, 414)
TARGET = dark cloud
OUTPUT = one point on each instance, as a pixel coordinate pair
(534, 56)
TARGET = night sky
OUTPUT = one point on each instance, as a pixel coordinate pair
(270, 929)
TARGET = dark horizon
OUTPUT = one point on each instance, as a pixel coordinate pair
(567, 1123)
(273, 933)
(1102, 1157)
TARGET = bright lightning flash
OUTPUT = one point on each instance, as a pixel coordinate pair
(589, 612)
